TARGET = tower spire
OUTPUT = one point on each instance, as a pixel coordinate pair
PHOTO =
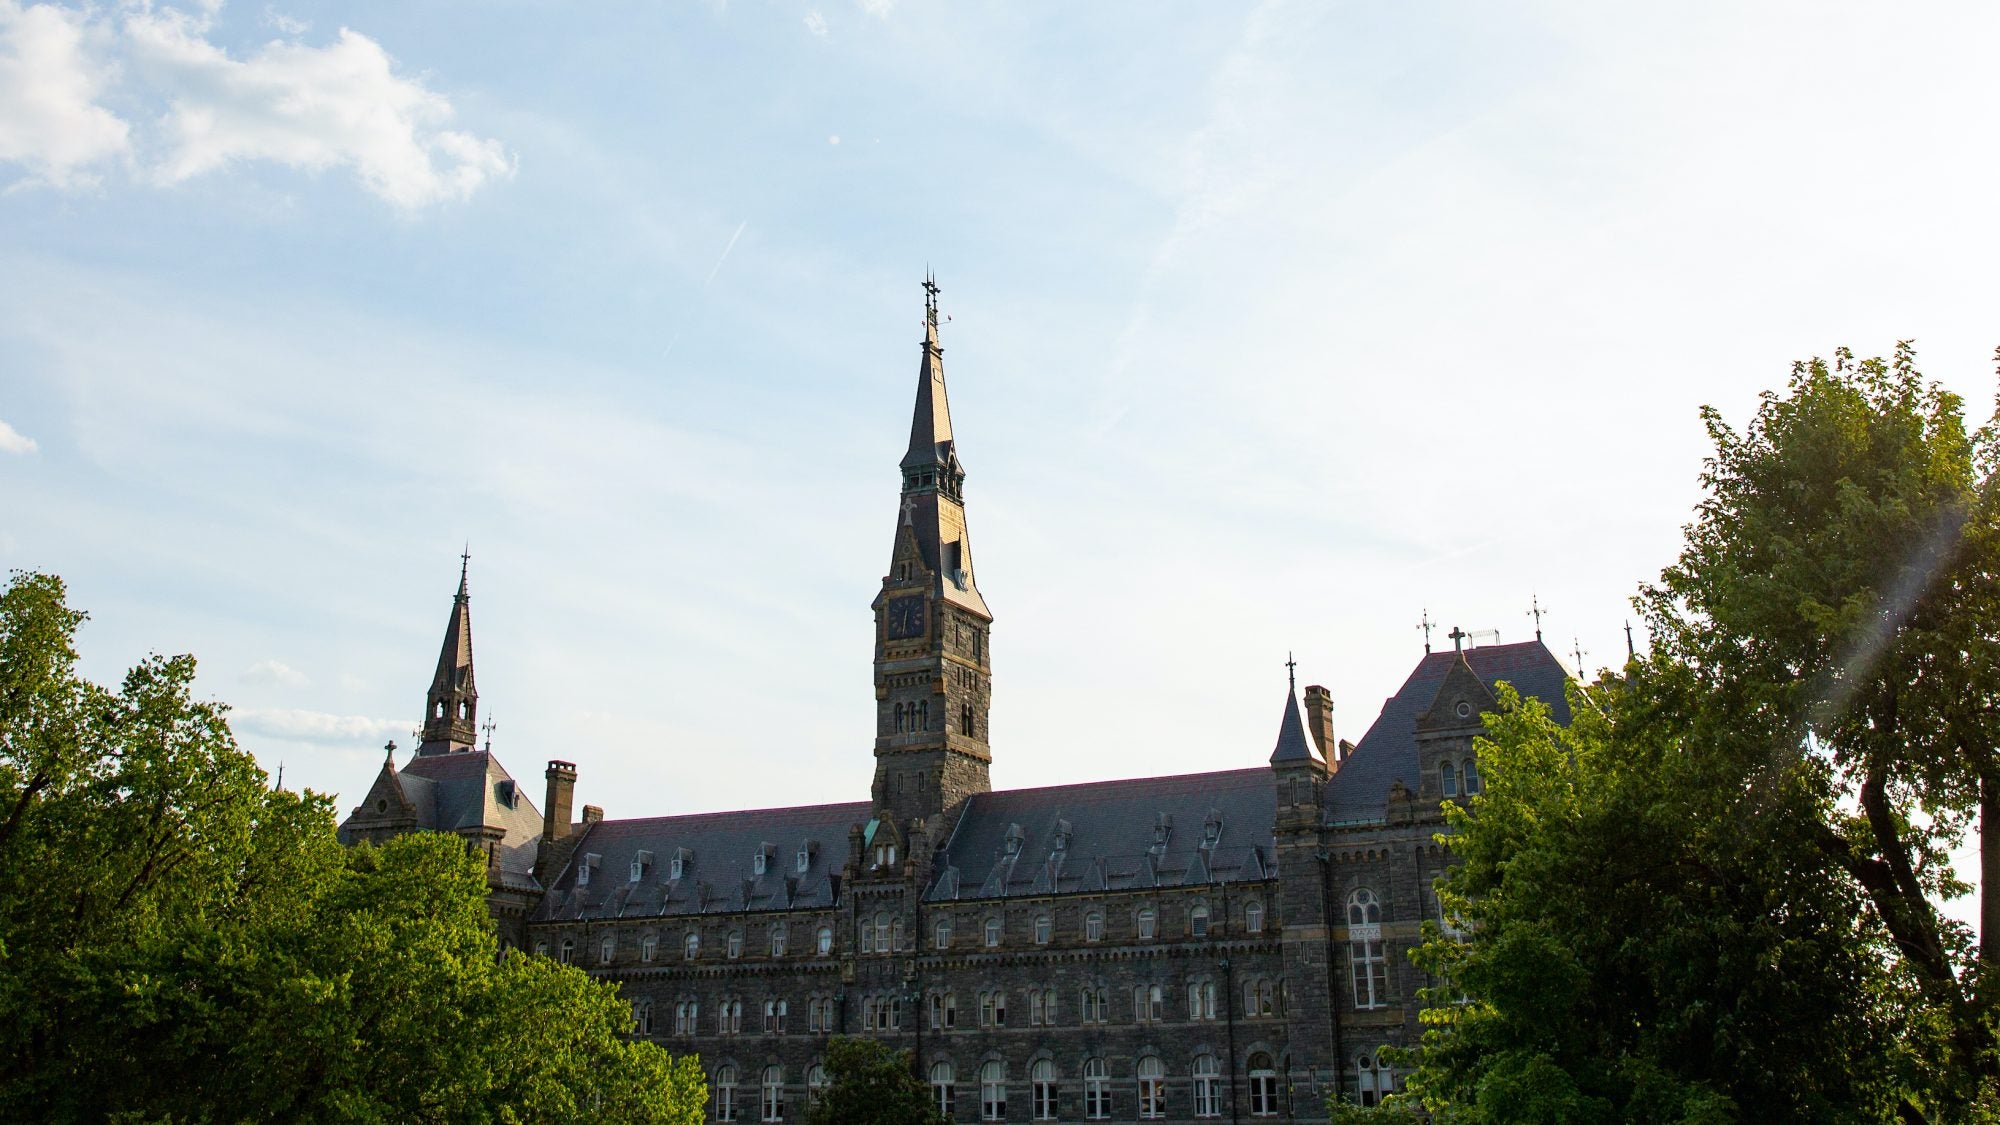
(451, 707)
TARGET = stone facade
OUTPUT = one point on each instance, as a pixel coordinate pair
(1229, 945)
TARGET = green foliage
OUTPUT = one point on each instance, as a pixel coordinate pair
(870, 1084)
(1713, 896)
(183, 944)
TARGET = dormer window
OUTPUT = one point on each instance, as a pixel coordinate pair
(761, 862)
(805, 858)
(885, 855)
(584, 867)
(1163, 830)
(507, 793)
(1211, 830)
(1059, 840)
(678, 865)
(641, 861)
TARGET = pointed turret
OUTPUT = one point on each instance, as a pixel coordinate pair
(451, 707)
(930, 424)
(1292, 745)
(934, 481)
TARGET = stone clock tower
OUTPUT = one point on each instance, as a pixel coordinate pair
(933, 632)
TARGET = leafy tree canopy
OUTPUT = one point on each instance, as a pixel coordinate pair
(870, 1084)
(179, 942)
(1713, 896)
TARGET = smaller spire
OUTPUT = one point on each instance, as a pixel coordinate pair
(1293, 745)
(1426, 624)
(1536, 611)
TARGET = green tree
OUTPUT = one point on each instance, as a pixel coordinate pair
(179, 942)
(1714, 896)
(870, 1084)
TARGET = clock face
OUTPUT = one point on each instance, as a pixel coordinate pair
(906, 617)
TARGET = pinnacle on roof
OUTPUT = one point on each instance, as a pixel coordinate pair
(1292, 744)
(451, 705)
(930, 425)
(455, 656)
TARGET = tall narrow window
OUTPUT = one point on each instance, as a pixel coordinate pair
(1096, 1090)
(1448, 779)
(1043, 1076)
(1148, 923)
(1263, 1086)
(815, 1084)
(779, 936)
(825, 944)
(1207, 1087)
(606, 950)
(725, 1093)
(965, 719)
(642, 1017)
(1152, 1088)
(649, 947)
(774, 1093)
(568, 954)
(941, 936)
(1472, 782)
(1198, 921)
(942, 1077)
(1044, 928)
(735, 944)
(992, 932)
(1253, 918)
(1371, 974)
(1093, 926)
(993, 1091)
(1201, 999)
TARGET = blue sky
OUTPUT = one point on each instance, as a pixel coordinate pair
(1273, 327)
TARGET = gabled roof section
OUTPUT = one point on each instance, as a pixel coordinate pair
(1293, 746)
(1114, 835)
(718, 863)
(1357, 793)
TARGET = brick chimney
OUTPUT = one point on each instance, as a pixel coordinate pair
(562, 790)
(1319, 722)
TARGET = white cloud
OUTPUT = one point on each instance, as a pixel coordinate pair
(833, 139)
(13, 441)
(307, 107)
(880, 9)
(317, 726)
(275, 673)
(816, 23)
(285, 23)
(341, 105)
(49, 117)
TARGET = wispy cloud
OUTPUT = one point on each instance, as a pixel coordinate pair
(285, 23)
(13, 441)
(275, 673)
(816, 23)
(880, 9)
(341, 105)
(317, 726)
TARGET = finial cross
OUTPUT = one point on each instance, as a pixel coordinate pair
(1577, 651)
(1426, 624)
(1536, 611)
(1457, 636)
(1292, 671)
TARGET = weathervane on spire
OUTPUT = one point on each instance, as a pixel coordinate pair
(488, 726)
(930, 297)
(1426, 624)
(1536, 611)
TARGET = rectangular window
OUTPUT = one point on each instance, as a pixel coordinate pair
(1371, 974)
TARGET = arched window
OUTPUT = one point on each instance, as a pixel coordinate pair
(779, 936)
(1198, 920)
(774, 1093)
(725, 1093)
(815, 1083)
(883, 928)
(1448, 779)
(1149, 1003)
(464, 710)
(992, 932)
(895, 934)
(942, 1094)
(1201, 999)
(1363, 908)
(993, 1091)
(1253, 918)
(1042, 1007)
(941, 937)
(1148, 923)
(735, 944)
(1093, 1005)
(1152, 1088)
(1096, 1090)
(568, 954)
(649, 947)
(607, 948)
(1093, 926)
(825, 945)
(1373, 1081)
(642, 1017)
(1259, 999)
(541, 949)
(1043, 1078)
(1263, 1086)
(1207, 1087)
(1044, 929)
(774, 1017)
(1472, 782)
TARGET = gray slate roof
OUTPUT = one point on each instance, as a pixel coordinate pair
(718, 863)
(1107, 835)
(469, 790)
(1358, 792)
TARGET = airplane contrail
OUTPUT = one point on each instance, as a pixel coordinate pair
(725, 253)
